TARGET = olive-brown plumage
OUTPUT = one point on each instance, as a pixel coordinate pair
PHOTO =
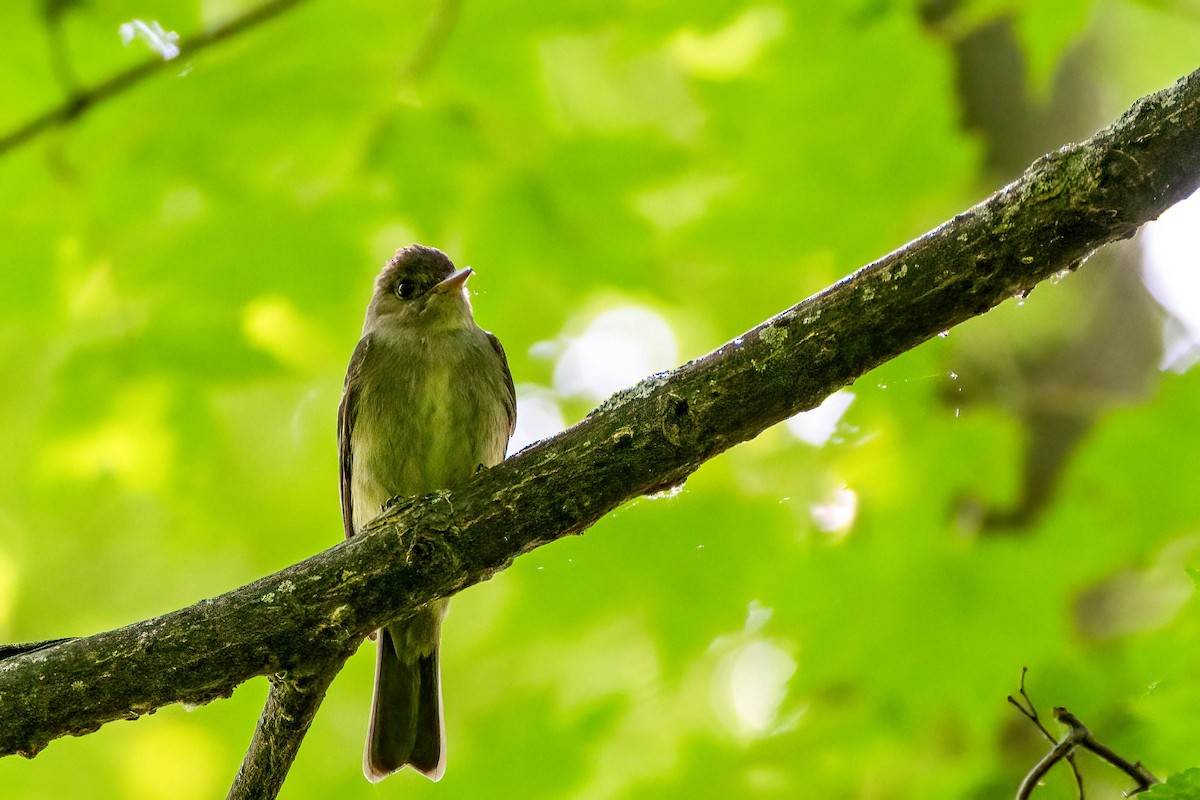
(428, 400)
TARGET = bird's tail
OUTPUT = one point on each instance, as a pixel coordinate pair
(406, 711)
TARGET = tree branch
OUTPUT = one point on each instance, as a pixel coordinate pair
(641, 440)
(1079, 736)
(291, 706)
(10, 650)
(1030, 711)
(82, 100)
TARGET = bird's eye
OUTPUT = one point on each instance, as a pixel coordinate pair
(405, 289)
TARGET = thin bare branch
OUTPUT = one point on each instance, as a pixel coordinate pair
(1134, 769)
(1079, 736)
(1056, 754)
(84, 99)
(1030, 711)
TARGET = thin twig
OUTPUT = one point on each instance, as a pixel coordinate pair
(1134, 769)
(1030, 711)
(1056, 754)
(82, 100)
(1079, 736)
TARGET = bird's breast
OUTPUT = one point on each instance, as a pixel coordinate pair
(428, 416)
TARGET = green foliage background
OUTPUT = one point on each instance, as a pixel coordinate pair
(184, 271)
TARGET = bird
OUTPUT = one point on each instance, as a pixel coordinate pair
(427, 402)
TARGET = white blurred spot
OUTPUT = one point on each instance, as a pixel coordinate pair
(538, 416)
(751, 679)
(158, 40)
(757, 616)
(816, 426)
(667, 494)
(758, 679)
(616, 350)
(836, 515)
(1172, 248)
(547, 349)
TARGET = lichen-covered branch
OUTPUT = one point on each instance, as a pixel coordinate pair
(644, 439)
(291, 706)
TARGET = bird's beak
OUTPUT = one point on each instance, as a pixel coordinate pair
(455, 281)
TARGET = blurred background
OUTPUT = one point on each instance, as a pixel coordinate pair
(836, 609)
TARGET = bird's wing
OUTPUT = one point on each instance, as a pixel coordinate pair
(347, 412)
(510, 397)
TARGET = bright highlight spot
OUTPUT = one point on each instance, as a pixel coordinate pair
(751, 679)
(174, 761)
(134, 444)
(273, 324)
(1171, 245)
(758, 679)
(836, 515)
(158, 40)
(538, 416)
(616, 350)
(818, 425)
(668, 493)
(8, 588)
(730, 51)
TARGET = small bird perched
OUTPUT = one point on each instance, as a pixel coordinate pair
(428, 401)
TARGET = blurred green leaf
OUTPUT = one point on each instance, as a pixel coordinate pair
(1179, 786)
